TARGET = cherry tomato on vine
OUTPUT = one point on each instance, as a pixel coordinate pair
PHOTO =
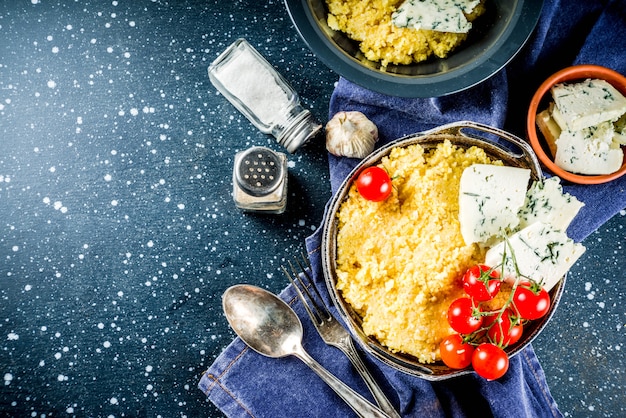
(455, 353)
(461, 316)
(505, 329)
(374, 184)
(531, 301)
(481, 283)
(490, 361)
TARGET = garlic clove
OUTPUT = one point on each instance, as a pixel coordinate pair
(351, 134)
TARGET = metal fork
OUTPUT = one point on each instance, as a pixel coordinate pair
(332, 332)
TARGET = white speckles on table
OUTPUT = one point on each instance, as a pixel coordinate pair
(582, 349)
(118, 233)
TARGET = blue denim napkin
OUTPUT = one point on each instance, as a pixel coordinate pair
(243, 383)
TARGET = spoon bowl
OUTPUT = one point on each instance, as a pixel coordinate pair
(262, 320)
(270, 327)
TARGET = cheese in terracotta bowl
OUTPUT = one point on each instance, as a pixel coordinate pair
(394, 261)
(576, 124)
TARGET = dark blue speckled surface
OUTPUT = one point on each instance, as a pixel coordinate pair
(118, 233)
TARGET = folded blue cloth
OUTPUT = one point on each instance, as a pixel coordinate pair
(243, 383)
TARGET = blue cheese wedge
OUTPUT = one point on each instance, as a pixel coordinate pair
(542, 253)
(588, 103)
(436, 15)
(490, 197)
(590, 151)
(546, 202)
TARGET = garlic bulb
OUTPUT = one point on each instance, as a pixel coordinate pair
(351, 134)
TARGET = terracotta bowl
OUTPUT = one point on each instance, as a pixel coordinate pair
(540, 101)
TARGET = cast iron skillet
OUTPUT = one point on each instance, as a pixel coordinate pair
(498, 145)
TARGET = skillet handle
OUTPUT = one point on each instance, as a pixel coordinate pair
(512, 145)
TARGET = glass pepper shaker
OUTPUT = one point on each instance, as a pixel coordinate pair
(260, 180)
(258, 91)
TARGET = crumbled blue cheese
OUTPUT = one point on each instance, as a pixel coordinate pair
(542, 253)
(437, 15)
(589, 151)
(585, 104)
(546, 202)
(620, 130)
(489, 199)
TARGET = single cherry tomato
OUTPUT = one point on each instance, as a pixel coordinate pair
(481, 282)
(374, 184)
(490, 361)
(456, 353)
(505, 329)
(461, 316)
(515, 333)
(531, 300)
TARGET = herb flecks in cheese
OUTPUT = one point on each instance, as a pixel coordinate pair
(546, 202)
(585, 104)
(524, 228)
(589, 151)
(542, 253)
(436, 15)
(489, 200)
(591, 121)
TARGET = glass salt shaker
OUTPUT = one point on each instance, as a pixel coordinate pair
(258, 91)
(260, 180)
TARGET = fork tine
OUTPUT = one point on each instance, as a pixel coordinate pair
(322, 314)
(317, 319)
(318, 306)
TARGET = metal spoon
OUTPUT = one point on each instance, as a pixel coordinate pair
(270, 327)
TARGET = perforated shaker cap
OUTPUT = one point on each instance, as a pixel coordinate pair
(259, 172)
